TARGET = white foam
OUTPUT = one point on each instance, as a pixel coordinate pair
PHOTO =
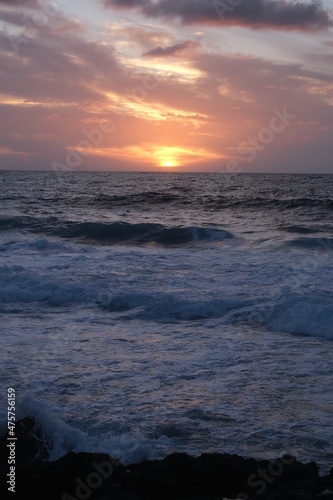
(60, 438)
(18, 285)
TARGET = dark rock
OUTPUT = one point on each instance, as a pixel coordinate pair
(31, 444)
(178, 477)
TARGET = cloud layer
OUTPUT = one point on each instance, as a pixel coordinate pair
(60, 87)
(251, 13)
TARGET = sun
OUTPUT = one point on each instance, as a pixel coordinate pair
(169, 156)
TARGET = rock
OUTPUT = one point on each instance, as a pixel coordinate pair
(31, 444)
(83, 476)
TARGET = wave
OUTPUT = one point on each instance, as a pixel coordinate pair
(298, 229)
(143, 198)
(18, 286)
(287, 311)
(307, 243)
(292, 313)
(139, 234)
(9, 223)
(266, 203)
(168, 307)
(310, 315)
(117, 232)
(218, 201)
(181, 197)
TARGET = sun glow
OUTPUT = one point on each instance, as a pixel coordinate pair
(168, 164)
(157, 156)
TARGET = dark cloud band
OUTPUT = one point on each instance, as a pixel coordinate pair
(23, 3)
(251, 13)
(172, 50)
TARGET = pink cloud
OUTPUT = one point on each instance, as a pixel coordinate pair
(68, 84)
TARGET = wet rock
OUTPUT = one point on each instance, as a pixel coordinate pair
(95, 476)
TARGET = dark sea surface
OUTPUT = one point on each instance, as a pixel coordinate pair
(146, 313)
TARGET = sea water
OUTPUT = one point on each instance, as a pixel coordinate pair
(147, 313)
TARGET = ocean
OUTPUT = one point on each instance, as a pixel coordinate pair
(147, 313)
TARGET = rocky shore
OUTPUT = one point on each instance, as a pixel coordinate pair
(83, 476)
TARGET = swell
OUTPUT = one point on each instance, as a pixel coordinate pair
(260, 202)
(181, 196)
(219, 201)
(142, 198)
(117, 232)
(308, 243)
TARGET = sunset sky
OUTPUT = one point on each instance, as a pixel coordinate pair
(204, 85)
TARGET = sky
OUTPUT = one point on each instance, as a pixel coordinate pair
(166, 85)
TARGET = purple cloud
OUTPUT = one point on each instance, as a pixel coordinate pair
(251, 13)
